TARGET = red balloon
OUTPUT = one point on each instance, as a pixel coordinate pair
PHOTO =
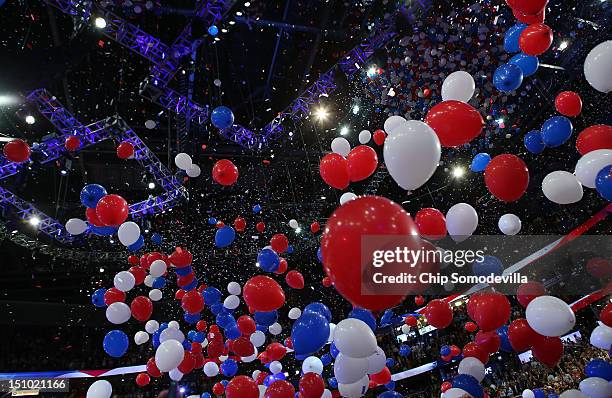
(72, 143)
(239, 224)
(535, 39)
(152, 368)
(220, 224)
(471, 327)
(276, 351)
(527, 6)
(526, 292)
(530, 18)
(218, 389)
(431, 223)
(143, 379)
(446, 386)
(379, 137)
(411, 321)
(326, 282)
(455, 122)
(568, 103)
(92, 217)
(521, 335)
(419, 300)
(280, 389)
(312, 385)
(133, 259)
(201, 325)
(315, 227)
(289, 343)
(341, 247)
(114, 295)
(282, 267)
(112, 210)
(187, 364)
(507, 177)
(438, 314)
(192, 302)
(260, 227)
(606, 315)
(224, 172)
(242, 387)
(261, 377)
(139, 274)
(142, 308)
(593, 138)
(180, 258)
(17, 151)
(489, 341)
(215, 348)
(264, 294)
(455, 350)
(334, 170)
(279, 243)
(489, 310)
(295, 279)
(548, 350)
(475, 351)
(362, 162)
(382, 377)
(125, 150)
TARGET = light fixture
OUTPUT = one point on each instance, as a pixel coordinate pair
(7, 100)
(34, 221)
(458, 172)
(101, 269)
(563, 45)
(63, 172)
(355, 109)
(298, 230)
(344, 130)
(100, 23)
(372, 71)
(321, 113)
(6, 139)
(151, 185)
(30, 119)
(182, 390)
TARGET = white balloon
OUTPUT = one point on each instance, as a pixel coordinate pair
(332, 328)
(183, 161)
(601, 337)
(294, 313)
(276, 367)
(151, 326)
(377, 362)
(234, 288)
(194, 171)
(456, 393)
(124, 281)
(347, 197)
(312, 364)
(100, 389)
(412, 154)
(255, 374)
(461, 221)
(596, 387)
(118, 313)
(550, 316)
(155, 295)
(258, 338)
(562, 187)
(141, 337)
(149, 279)
(354, 338)
(250, 358)
(341, 146)
(171, 334)
(392, 123)
(354, 390)
(174, 325)
(293, 223)
(590, 164)
(528, 394)
(597, 67)
(128, 233)
(76, 226)
(364, 137)
(509, 224)
(405, 329)
(326, 394)
(150, 124)
(211, 369)
(473, 367)
(275, 329)
(158, 268)
(169, 355)
(458, 86)
(348, 370)
(262, 390)
(231, 302)
(175, 374)
(572, 394)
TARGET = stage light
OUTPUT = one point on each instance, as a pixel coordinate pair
(6, 139)
(34, 221)
(101, 269)
(182, 390)
(63, 172)
(298, 230)
(100, 23)
(344, 130)
(371, 71)
(355, 109)
(563, 45)
(7, 100)
(458, 172)
(30, 119)
(321, 113)
(151, 185)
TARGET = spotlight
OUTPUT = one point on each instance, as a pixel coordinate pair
(63, 172)
(151, 185)
(100, 23)
(458, 172)
(563, 45)
(298, 230)
(182, 390)
(101, 270)
(30, 119)
(344, 130)
(321, 113)
(372, 71)
(355, 109)
(34, 221)
(7, 100)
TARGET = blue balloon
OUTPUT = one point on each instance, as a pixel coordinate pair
(268, 260)
(390, 362)
(309, 333)
(319, 308)
(192, 285)
(205, 395)
(528, 63)
(211, 295)
(265, 318)
(480, 162)
(217, 308)
(319, 255)
(603, 183)
(326, 359)
(116, 343)
(134, 247)
(445, 350)
(468, 384)
(599, 368)
(224, 382)
(391, 386)
(229, 367)
(511, 39)
(502, 332)
(256, 209)
(405, 350)
(390, 394)
(186, 345)
(156, 238)
(225, 319)
(333, 350)
(159, 282)
(222, 117)
(556, 131)
(213, 30)
(212, 221)
(553, 395)
(233, 332)
(333, 383)
(365, 316)
(155, 338)
(489, 265)
(91, 194)
(183, 271)
(97, 298)
(290, 249)
(538, 393)
(533, 142)
(507, 77)
(103, 231)
(225, 236)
